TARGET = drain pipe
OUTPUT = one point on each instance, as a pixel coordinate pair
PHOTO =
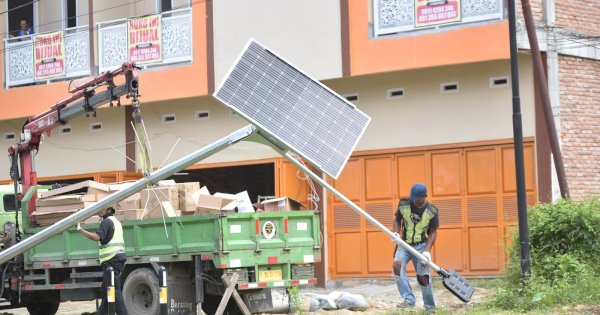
(540, 81)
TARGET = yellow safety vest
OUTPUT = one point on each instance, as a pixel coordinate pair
(417, 233)
(116, 244)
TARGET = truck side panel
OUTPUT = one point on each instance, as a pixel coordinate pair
(288, 235)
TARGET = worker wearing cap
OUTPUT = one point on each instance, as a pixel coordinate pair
(111, 253)
(418, 221)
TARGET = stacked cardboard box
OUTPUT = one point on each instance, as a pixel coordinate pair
(155, 200)
(282, 204)
(220, 203)
(167, 199)
(186, 196)
(56, 204)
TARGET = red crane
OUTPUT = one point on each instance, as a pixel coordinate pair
(84, 99)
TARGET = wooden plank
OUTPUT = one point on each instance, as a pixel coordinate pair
(227, 294)
(237, 298)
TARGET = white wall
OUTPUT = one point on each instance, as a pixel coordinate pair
(50, 16)
(305, 33)
(426, 117)
(6, 126)
(422, 117)
(196, 134)
(83, 151)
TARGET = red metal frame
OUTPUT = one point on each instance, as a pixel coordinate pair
(43, 123)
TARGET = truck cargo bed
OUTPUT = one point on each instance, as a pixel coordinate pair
(235, 240)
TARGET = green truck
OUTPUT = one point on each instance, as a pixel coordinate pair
(267, 250)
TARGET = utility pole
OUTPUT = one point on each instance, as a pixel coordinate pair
(518, 140)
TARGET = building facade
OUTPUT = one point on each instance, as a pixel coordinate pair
(435, 82)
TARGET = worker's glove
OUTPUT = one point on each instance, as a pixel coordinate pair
(427, 256)
(396, 234)
(78, 226)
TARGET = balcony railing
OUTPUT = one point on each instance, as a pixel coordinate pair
(401, 16)
(176, 47)
(19, 60)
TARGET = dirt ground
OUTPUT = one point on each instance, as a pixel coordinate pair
(381, 294)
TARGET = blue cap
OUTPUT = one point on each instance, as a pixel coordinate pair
(418, 191)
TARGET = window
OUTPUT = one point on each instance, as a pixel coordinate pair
(168, 119)
(20, 10)
(497, 82)
(395, 93)
(353, 98)
(449, 87)
(202, 115)
(9, 137)
(164, 5)
(70, 13)
(65, 130)
(95, 127)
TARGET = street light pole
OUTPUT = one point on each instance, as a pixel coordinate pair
(518, 140)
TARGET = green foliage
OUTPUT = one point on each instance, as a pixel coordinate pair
(565, 259)
(296, 300)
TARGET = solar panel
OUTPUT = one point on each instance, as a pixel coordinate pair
(299, 111)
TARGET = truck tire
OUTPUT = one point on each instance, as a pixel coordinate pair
(43, 308)
(140, 292)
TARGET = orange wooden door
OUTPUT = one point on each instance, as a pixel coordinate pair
(290, 182)
(473, 187)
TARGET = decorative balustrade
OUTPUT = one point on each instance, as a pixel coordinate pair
(176, 46)
(20, 62)
(403, 16)
(176, 36)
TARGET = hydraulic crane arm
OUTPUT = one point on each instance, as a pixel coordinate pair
(84, 100)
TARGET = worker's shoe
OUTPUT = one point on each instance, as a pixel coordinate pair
(404, 305)
(430, 311)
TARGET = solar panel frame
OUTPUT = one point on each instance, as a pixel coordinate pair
(283, 91)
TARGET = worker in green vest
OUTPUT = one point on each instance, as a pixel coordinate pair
(418, 221)
(111, 253)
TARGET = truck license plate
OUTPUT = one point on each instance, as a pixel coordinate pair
(269, 275)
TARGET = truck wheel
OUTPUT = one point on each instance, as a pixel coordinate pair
(43, 308)
(140, 292)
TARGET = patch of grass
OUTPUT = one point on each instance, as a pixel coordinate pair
(296, 300)
(565, 261)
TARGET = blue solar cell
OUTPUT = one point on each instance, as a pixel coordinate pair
(303, 114)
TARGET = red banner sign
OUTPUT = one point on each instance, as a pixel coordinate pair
(49, 55)
(428, 12)
(145, 39)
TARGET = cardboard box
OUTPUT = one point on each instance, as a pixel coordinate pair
(151, 198)
(120, 186)
(200, 210)
(129, 214)
(88, 186)
(166, 182)
(244, 205)
(187, 204)
(60, 208)
(282, 204)
(218, 201)
(187, 189)
(131, 202)
(65, 199)
(48, 218)
(95, 219)
(166, 211)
